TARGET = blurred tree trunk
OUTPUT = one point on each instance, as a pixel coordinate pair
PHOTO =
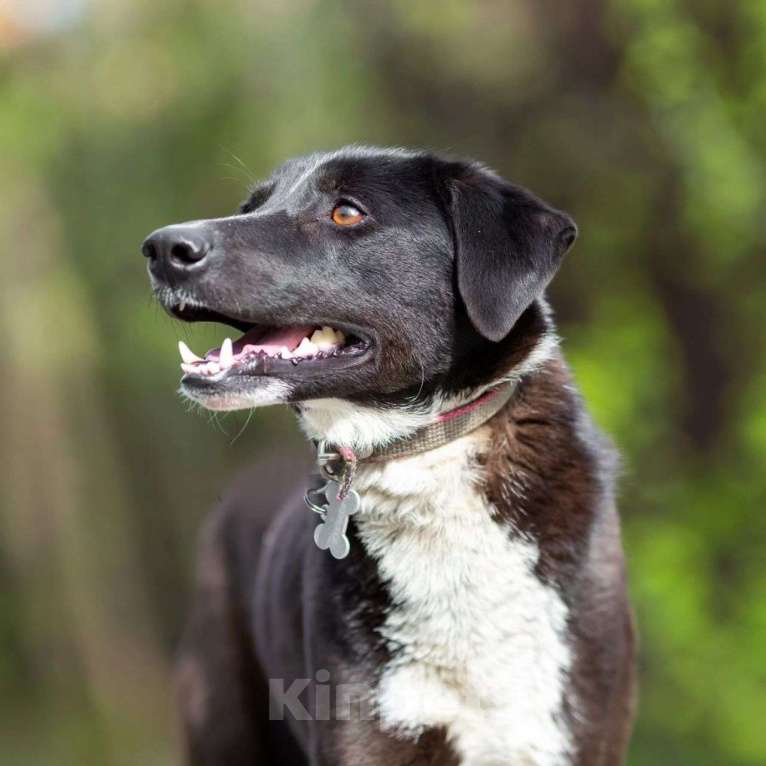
(66, 528)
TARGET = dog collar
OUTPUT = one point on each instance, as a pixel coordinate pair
(331, 494)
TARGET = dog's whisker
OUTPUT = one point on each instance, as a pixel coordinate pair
(244, 426)
(241, 166)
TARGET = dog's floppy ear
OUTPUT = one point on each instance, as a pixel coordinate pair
(508, 246)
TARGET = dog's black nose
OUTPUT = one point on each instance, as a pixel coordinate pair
(177, 250)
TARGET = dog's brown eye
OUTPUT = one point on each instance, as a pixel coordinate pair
(346, 215)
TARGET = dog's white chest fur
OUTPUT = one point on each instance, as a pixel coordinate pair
(478, 638)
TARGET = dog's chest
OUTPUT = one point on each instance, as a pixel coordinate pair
(478, 641)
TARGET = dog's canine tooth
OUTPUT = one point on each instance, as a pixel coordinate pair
(187, 355)
(182, 306)
(226, 355)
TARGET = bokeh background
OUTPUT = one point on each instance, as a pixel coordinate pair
(646, 119)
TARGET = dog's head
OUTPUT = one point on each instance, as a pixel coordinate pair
(383, 277)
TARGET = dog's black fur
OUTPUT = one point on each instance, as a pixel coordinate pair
(417, 277)
(443, 281)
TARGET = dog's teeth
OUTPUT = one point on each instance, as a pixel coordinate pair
(189, 368)
(306, 348)
(325, 339)
(226, 355)
(285, 353)
(187, 355)
(182, 306)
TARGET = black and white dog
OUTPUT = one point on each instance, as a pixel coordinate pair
(480, 616)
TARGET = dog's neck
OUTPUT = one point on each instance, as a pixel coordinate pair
(365, 428)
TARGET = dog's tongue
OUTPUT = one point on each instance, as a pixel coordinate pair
(271, 341)
(274, 339)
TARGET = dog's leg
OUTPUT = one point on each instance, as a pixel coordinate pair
(223, 693)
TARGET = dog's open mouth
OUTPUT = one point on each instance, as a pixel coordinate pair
(271, 350)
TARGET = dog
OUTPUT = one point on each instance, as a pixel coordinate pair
(461, 596)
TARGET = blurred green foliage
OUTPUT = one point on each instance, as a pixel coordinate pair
(644, 118)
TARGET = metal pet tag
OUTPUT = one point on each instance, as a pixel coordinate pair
(330, 533)
(315, 495)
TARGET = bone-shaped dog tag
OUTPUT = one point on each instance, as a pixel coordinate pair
(330, 534)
